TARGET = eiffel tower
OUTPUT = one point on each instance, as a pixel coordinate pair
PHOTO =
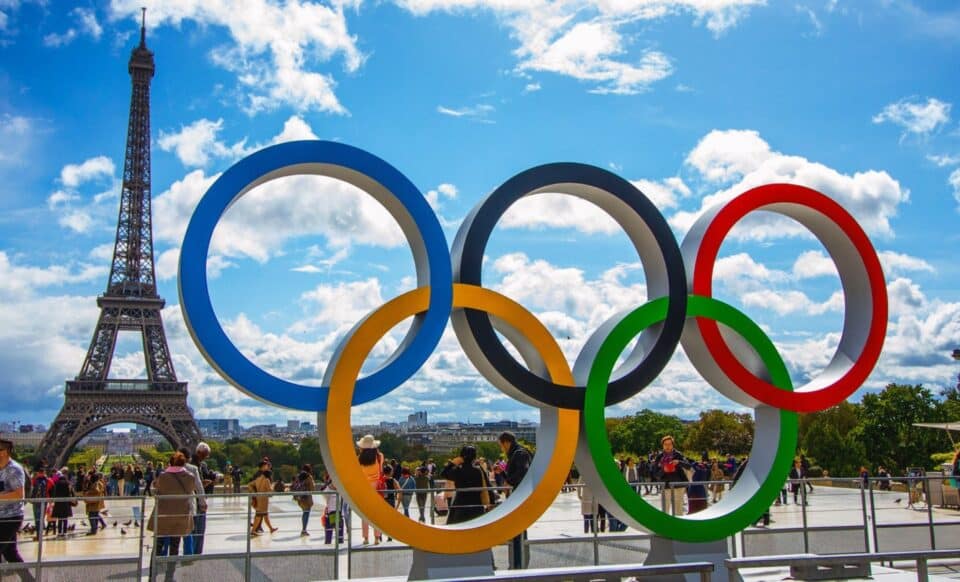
(130, 303)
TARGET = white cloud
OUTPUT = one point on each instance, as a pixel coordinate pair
(943, 161)
(585, 40)
(812, 264)
(22, 281)
(531, 88)
(15, 133)
(86, 23)
(741, 160)
(73, 175)
(274, 48)
(197, 143)
(479, 113)
(552, 210)
(787, 302)
(955, 183)
(445, 190)
(915, 116)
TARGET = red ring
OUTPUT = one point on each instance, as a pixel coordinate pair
(717, 230)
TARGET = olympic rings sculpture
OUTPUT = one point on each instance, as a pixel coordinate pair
(729, 350)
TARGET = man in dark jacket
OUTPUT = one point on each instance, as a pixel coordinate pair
(518, 462)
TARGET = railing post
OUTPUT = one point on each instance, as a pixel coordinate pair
(246, 559)
(40, 532)
(803, 515)
(336, 535)
(594, 508)
(926, 493)
(143, 526)
(156, 519)
(873, 520)
(922, 573)
(863, 507)
(349, 525)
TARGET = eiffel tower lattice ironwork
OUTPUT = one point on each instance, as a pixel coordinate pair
(130, 303)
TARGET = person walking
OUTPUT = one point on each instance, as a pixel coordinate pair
(797, 476)
(422, 482)
(697, 492)
(518, 463)
(208, 480)
(172, 518)
(669, 468)
(62, 504)
(137, 480)
(371, 463)
(41, 486)
(716, 475)
(93, 501)
(805, 464)
(262, 486)
(304, 485)
(632, 474)
(237, 478)
(587, 504)
(407, 485)
(13, 482)
(333, 514)
(148, 478)
(470, 484)
(200, 505)
(128, 481)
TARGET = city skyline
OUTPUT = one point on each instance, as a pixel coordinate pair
(674, 98)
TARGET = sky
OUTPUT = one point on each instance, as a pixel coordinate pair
(694, 101)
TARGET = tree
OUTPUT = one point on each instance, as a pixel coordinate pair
(886, 421)
(641, 433)
(720, 431)
(834, 438)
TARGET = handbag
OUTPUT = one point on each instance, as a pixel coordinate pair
(485, 492)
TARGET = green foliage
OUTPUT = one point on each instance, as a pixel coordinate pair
(722, 431)
(835, 438)
(641, 432)
(887, 427)
(86, 456)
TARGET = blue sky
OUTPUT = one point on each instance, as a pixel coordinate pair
(693, 100)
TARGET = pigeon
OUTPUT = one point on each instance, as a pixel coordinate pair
(128, 522)
(114, 524)
(72, 527)
(123, 532)
(896, 501)
(83, 523)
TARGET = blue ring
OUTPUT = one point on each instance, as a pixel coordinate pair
(198, 311)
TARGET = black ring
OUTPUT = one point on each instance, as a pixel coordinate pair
(470, 245)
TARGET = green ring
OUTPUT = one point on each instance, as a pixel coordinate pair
(687, 529)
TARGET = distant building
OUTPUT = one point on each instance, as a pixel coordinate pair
(219, 426)
(262, 429)
(417, 419)
(308, 427)
(23, 439)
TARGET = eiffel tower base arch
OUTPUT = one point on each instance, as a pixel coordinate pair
(166, 413)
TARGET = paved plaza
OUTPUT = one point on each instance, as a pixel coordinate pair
(226, 532)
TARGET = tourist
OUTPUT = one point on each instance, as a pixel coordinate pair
(304, 484)
(128, 478)
(333, 514)
(797, 475)
(470, 484)
(148, 478)
(208, 480)
(137, 479)
(200, 506)
(62, 504)
(12, 490)
(93, 496)
(716, 475)
(518, 463)
(422, 481)
(391, 490)
(669, 468)
(113, 484)
(237, 475)
(805, 464)
(697, 492)
(41, 486)
(407, 485)
(631, 474)
(172, 517)
(587, 504)
(371, 463)
(262, 486)
(864, 477)
(643, 469)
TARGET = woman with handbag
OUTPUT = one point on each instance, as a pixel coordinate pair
(472, 496)
(172, 517)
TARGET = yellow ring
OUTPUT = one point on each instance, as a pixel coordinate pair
(517, 512)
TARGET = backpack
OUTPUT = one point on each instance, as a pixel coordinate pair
(39, 489)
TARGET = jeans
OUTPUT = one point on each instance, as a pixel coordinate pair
(193, 543)
(329, 525)
(94, 518)
(405, 501)
(38, 517)
(587, 523)
(9, 526)
(169, 546)
(304, 519)
(62, 526)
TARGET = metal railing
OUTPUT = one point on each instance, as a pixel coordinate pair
(921, 560)
(875, 518)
